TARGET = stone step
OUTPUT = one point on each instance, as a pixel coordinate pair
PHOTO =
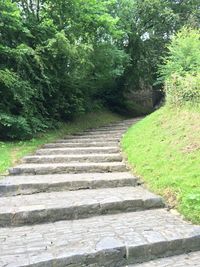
(121, 126)
(107, 240)
(123, 123)
(77, 150)
(101, 133)
(86, 144)
(185, 260)
(58, 168)
(23, 185)
(107, 129)
(85, 139)
(93, 137)
(113, 127)
(71, 205)
(73, 158)
(118, 125)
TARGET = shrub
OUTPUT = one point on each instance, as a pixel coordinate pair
(181, 90)
(14, 127)
(181, 69)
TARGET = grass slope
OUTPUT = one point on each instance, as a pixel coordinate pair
(164, 150)
(12, 152)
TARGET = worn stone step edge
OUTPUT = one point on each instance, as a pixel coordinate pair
(109, 241)
(23, 185)
(73, 158)
(57, 206)
(80, 145)
(67, 168)
(73, 151)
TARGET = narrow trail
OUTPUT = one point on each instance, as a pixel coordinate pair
(75, 203)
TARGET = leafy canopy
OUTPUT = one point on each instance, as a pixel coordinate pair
(59, 59)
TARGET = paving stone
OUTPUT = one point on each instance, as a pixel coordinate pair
(79, 145)
(45, 207)
(186, 260)
(56, 168)
(77, 150)
(111, 240)
(16, 185)
(112, 157)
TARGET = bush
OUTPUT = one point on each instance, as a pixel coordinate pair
(181, 69)
(181, 90)
(14, 127)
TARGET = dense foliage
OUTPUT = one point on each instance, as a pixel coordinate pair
(181, 69)
(62, 58)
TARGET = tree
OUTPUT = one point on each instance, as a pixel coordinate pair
(62, 58)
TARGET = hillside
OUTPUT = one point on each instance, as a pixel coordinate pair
(164, 150)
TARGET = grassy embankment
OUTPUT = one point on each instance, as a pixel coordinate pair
(12, 152)
(164, 150)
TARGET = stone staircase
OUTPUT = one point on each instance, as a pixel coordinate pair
(75, 204)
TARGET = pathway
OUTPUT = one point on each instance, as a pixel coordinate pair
(75, 204)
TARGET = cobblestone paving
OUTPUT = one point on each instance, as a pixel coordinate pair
(126, 234)
(91, 144)
(37, 208)
(67, 183)
(77, 150)
(15, 185)
(76, 139)
(74, 158)
(82, 197)
(77, 167)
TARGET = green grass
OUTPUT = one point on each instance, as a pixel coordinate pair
(12, 152)
(164, 150)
